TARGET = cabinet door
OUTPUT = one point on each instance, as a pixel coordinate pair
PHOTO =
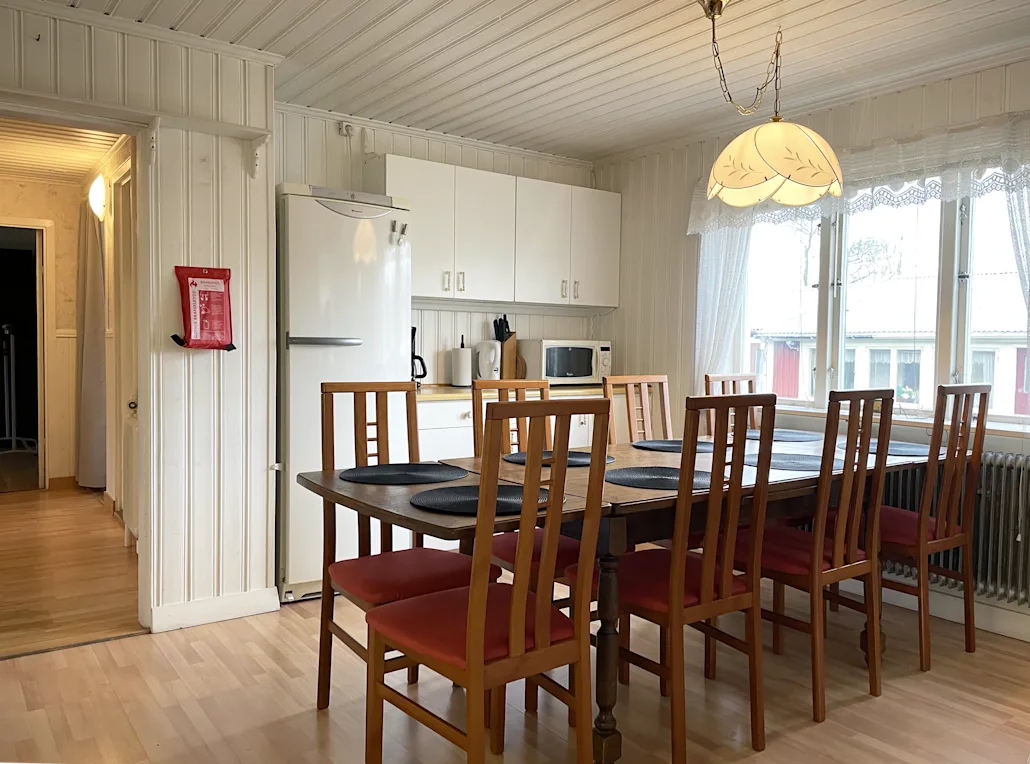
(484, 235)
(596, 242)
(543, 218)
(429, 188)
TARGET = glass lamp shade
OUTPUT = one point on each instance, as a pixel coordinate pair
(782, 161)
(98, 196)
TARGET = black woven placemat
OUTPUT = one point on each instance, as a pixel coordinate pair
(793, 462)
(673, 446)
(787, 436)
(655, 478)
(576, 458)
(894, 448)
(464, 499)
(404, 474)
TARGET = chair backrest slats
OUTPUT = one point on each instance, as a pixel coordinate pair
(731, 384)
(641, 387)
(537, 416)
(504, 389)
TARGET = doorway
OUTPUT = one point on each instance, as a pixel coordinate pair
(20, 358)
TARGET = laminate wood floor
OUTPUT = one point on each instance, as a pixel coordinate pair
(244, 691)
(65, 576)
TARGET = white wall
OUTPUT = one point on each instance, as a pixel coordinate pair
(310, 149)
(653, 329)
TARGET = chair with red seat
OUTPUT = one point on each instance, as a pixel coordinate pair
(945, 516)
(674, 588)
(486, 635)
(371, 580)
(829, 554)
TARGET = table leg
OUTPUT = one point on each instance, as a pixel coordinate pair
(607, 738)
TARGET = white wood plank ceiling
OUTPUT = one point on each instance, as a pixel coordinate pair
(41, 153)
(589, 78)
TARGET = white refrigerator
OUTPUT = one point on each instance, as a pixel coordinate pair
(344, 315)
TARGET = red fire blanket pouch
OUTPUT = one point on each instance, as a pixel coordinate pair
(206, 316)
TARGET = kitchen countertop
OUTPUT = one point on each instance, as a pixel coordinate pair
(450, 393)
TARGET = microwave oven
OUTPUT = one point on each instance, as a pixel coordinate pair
(566, 362)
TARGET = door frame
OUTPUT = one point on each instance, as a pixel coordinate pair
(122, 294)
(45, 326)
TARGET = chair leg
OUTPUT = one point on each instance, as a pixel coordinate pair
(325, 645)
(754, 655)
(778, 607)
(871, 592)
(497, 699)
(677, 695)
(663, 658)
(924, 612)
(532, 693)
(583, 707)
(475, 724)
(710, 650)
(376, 674)
(968, 591)
(835, 589)
(413, 675)
(818, 654)
(624, 643)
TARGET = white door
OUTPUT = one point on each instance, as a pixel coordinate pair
(126, 377)
(542, 241)
(346, 302)
(484, 235)
(429, 188)
(596, 243)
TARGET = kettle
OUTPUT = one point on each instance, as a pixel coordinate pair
(488, 360)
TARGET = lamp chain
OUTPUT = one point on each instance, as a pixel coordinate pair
(772, 75)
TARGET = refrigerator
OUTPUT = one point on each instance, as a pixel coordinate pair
(344, 315)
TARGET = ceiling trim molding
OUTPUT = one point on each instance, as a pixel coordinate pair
(137, 29)
(115, 149)
(415, 132)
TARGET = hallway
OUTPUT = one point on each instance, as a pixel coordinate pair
(65, 578)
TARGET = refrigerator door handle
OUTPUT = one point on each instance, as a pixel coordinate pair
(358, 212)
(324, 341)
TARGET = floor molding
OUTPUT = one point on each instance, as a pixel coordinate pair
(62, 483)
(995, 618)
(182, 615)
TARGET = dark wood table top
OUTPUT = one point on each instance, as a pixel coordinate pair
(625, 500)
(392, 504)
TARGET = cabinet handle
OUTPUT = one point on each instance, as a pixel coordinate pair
(565, 288)
(447, 281)
(461, 281)
(575, 290)
(466, 414)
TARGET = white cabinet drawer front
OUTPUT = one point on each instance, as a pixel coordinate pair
(438, 415)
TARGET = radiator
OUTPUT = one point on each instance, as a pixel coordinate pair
(1001, 567)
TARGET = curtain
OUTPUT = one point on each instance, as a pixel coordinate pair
(722, 287)
(90, 338)
(1018, 201)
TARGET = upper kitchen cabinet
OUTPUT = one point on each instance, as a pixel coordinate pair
(543, 241)
(484, 236)
(429, 188)
(596, 243)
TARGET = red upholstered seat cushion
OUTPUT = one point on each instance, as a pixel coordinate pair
(435, 624)
(786, 550)
(568, 550)
(644, 579)
(901, 527)
(391, 576)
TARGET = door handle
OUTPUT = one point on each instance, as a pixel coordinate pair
(447, 281)
(565, 288)
(575, 290)
(461, 281)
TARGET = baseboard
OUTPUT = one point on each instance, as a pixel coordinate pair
(109, 503)
(62, 483)
(186, 614)
(949, 605)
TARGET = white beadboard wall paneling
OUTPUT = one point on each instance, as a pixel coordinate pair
(75, 59)
(211, 429)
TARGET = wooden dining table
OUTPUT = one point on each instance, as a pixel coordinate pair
(630, 516)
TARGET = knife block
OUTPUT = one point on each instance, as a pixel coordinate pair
(508, 356)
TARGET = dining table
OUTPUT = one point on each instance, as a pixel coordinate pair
(630, 516)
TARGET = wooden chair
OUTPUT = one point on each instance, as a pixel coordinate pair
(731, 384)
(676, 588)
(485, 635)
(640, 387)
(371, 580)
(911, 537)
(504, 389)
(834, 550)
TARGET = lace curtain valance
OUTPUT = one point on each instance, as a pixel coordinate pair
(948, 165)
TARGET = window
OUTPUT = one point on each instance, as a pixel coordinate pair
(981, 369)
(891, 260)
(811, 373)
(907, 388)
(780, 319)
(879, 369)
(849, 369)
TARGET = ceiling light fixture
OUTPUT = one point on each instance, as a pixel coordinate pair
(791, 164)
